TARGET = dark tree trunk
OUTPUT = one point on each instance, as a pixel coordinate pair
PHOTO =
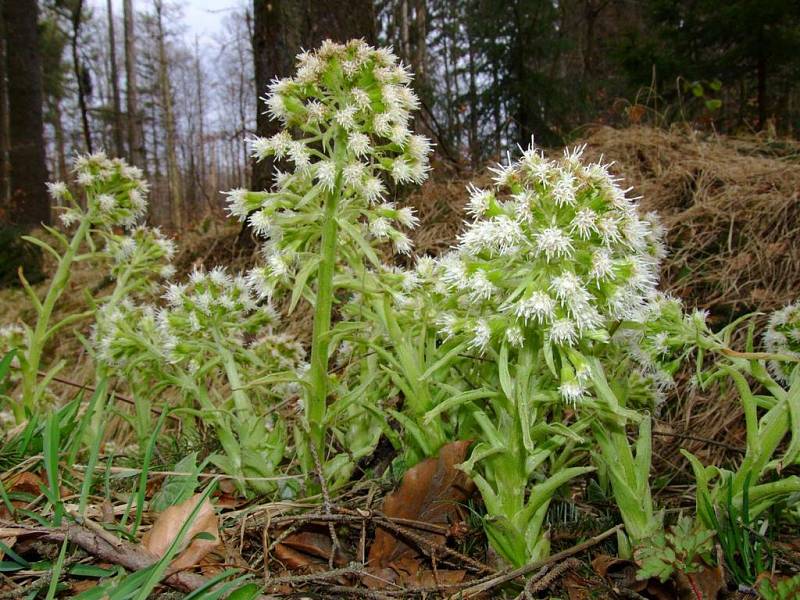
(29, 203)
(761, 83)
(134, 118)
(81, 75)
(4, 168)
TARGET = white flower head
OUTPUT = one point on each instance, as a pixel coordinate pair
(358, 143)
(553, 243)
(326, 174)
(481, 335)
(539, 307)
(478, 200)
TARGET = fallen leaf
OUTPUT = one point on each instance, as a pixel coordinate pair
(308, 548)
(708, 582)
(431, 492)
(576, 587)
(168, 525)
(27, 483)
(23, 483)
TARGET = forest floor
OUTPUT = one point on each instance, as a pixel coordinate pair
(731, 207)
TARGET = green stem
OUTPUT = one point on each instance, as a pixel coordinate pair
(39, 337)
(318, 398)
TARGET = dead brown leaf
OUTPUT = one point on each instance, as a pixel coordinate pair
(309, 548)
(621, 574)
(169, 523)
(707, 583)
(576, 587)
(431, 492)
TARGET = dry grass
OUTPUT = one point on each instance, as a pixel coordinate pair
(732, 209)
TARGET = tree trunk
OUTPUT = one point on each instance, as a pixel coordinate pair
(173, 172)
(421, 28)
(58, 127)
(474, 141)
(119, 146)
(4, 167)
(405, 45)
(134, 118)
(80, 74)
(29, 203)
(761, 83)
(201, 134)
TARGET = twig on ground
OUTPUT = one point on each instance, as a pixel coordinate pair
(326, 503)
(119, 552)
(488, 583)
(351, 569)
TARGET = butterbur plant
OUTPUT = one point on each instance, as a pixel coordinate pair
(555, 260)
(113, 195)
(345, 140)
(209, 329)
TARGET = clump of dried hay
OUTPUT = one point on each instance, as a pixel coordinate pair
(731, 207)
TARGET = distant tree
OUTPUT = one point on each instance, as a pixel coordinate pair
(28, 204)
(119, 145)
(168, 117)
(55, 74)
(750, 46)
(133, 116)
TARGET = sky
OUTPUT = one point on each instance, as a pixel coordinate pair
(201, 18)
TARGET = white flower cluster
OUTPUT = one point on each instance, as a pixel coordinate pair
(658, 341)
(556, 248)
(556, 255)
(116, 193)
(782, 336)
(143, 252)
(213, 305)
(346, 116)
(211, 308)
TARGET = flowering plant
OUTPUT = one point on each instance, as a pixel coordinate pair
(210, 330)
(114, 196)
(554, 266)
(345, 136)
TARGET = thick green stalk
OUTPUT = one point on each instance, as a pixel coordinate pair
(30, 366)
(318, 397)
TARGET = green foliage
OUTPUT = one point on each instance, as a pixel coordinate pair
(685, 548)
(747, 553)
(785, 589)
